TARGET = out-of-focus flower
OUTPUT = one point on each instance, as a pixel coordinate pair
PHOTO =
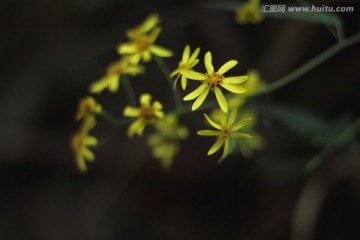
(87, 106)
(150, 23)
(213, 80)
(249, 13)
(254, 82)
(145, 114)
(186, 64)
(81, 141)
(226, 130)
(165, 143)
(111, 79)
(143, 47)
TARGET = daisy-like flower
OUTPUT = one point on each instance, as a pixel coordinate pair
(143, 47)
(214, 80)
(250, 12)
(165, 143)
(226, 130)
(147, 113)
(150, 23)
(186, 64)
(111, 79)
(87, 106)
(80, 143)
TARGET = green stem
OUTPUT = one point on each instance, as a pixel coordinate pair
(342, 139)
(129, 90)
(165, 70)
(113, 120)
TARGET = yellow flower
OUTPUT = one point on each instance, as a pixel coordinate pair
(250, 12)
(113, 73)
(213, 80)
(254, 82)
(146, 114)
(87, 106)
(186, 64)
(165, 143)
(151, 22)
(143, 47)
(80, 143)
(226, 130)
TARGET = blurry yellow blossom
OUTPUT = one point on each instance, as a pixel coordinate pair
(146, 114)
(226, 130)
(165, 143)
(186, 64)
(87, 106)
(111, 79)
(81, 141)
(213, 80)
(150, 23)
(254, 82)
(143, 47)
(250, 12)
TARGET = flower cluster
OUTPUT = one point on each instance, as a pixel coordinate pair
(249, 13)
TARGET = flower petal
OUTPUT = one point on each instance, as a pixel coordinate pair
(160, 51)
(186, 54)
(196, 92)
(114, 83)
(237, 79)
(146, 56)
(200, 99)
(217, 145)
(131, 112)
(193, 75)
(136, 127)
(88, 155)
(183, 82)
(194, 55)
(241, 124)
(226, 148)
(232, 117)
(208, 63)
(126, 48)
(208, 133)
(221, 100)
(227, 66)
(212, 123)
(223, 118)
(145, 99)
(233, 88)
(90, 141)
(241, 135)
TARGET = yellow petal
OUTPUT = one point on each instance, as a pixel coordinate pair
(227, 66)
(234, 80)
(183, 82)
(240, 135)
(127, 48)
(99, 86)
(208, 63)
(232, 117)
(186, 54)
(145, 99)
(241, 124)
(80, 163)
(200, 99)
(154, 34)
(131, 112)
(194, 55)
(226, 148)
(146, 55)
(223, 118)
(90, 141)
(221, 100)
(89, 156)
(157, 105)
(160, 51)
(233, 88)
(208, 133)
(136, 127)
(134, 70)
(135, 58)
(150, 22)
(212, 123)
(196, 92)
(217, 145)
(114, 83)
(174, 73)
(193, 75)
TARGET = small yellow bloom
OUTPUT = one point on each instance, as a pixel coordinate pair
(150, 23)
(146, 114)
(111, 80)
(226, 130)
(87, 106)
(254, 83)
(80, 143)
(250, 12)
(186, 64)
(143, 47)
(213, 80)
(165, 143)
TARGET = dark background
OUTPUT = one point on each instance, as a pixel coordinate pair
(50, 51)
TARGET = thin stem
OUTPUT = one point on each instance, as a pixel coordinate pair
(113, 120)
(165, 70)
(343, 138)
(129, 90)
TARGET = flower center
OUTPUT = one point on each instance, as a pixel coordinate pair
(114, 69)
(214, 79)
(183, 66)
(146, 113)
(225, 132)
(142, 44)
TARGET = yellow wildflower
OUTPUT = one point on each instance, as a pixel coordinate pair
(151, 22)
(226, 130)
(186, 64)
(213, 80)
(113, 74)
(143, 47)
(87, 106)
(250, 12)
(165, 143)
(146, 114)
(254, 82)
(80, 143)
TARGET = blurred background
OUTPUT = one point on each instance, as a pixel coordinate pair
(50, 51)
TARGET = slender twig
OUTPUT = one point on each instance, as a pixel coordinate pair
(129, 90)
(113, 120)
